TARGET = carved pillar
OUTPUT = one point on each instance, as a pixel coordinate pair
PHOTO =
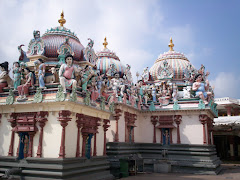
(13, 125)
(203, 120)
(95, 143)
(154, 120)
(161, 136)
(30, 147)
(84, 136)
(79, 122)
(41, 120)
(17, 153)
(105, 128)
(178, 120)
(229, 108)
(170, 134)
(117, 117)
(126, 127)
(63, 118)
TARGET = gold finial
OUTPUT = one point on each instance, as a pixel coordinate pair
(105, 43)
(62, 21)
(171, 45)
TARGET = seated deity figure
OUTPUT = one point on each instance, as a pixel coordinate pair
(24, 88)
(16, 75)
(41, 72)
(67, 73)
(201, 88)
(165, 96)
(5, 80)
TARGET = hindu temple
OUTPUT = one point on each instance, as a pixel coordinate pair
(70, 113)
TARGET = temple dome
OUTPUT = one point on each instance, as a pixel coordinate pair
(55, 37)
(177, 61)
(107, 57)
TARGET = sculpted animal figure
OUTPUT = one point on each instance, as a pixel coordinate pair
(52, 78)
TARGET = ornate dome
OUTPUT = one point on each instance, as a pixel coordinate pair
(107, 57)
(56, 41)
(176, 61)
(55, 37)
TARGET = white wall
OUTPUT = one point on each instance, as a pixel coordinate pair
(5, 135)
(100, 139)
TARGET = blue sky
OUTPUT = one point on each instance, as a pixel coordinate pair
(207, 32)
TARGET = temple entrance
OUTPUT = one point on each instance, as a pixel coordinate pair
(88, 146)
(166, 136)
(23, 145)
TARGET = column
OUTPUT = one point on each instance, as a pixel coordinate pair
(126, 127)
(84, 135)
(203, 120)
(95, 144)
(13, 124)
(161, 135)
(117, 117)
(79, 122)
(63, 118)
(17, 153)
(229, 108)
(170, 134)
(231, 142)
(105, 128)
(41, 120)
(154, 120)
(178, 120)
(30, 147)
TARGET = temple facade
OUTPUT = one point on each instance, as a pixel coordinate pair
(69, 112)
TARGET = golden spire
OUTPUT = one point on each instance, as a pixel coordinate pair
(105, 43)
(62, 21)
(171, 45)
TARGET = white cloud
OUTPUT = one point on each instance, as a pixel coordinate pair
(226, 84)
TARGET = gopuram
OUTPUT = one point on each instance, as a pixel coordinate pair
(69, 113)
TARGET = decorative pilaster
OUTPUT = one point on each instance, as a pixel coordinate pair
(117, 117)
(84, 136)
(105, 128)
(95, 143)
(154, 120)
(13, 125)
(229, 108)
(79, 122)
(203, 120)
(41, 120)
(30, 147)
(178, 120)
(63, 118)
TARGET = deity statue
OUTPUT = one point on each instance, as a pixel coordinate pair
(175, 92)
(41, 72)
(201, 88)
(23, 89)
(67, 73)
(111, 71)
(89, 53)
(115, 82)
(16, 75)
(165, 96)
(88, 73)
(128, 73)
(154, 93)
(145, 75)
(5, 80)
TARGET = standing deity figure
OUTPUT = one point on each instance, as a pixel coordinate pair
(145, 75)
(154, 93)
(175, 92)
(5, 80)
(67, 72)
(128, 73)
(115, 84)
(200, 87)
(23, 89)
(16, 75)
(41, 72)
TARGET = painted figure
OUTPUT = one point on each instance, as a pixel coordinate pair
(41, 72)
(5, 80)
(201, 87)
(16, 75)
(175, 92)
(24, 88)
(67, 73)
(154, 93)
(86, 76)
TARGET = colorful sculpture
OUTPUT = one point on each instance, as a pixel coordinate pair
(41, 72)
(5, 80)
(16, 75)
(67, 73)
(23, 89)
